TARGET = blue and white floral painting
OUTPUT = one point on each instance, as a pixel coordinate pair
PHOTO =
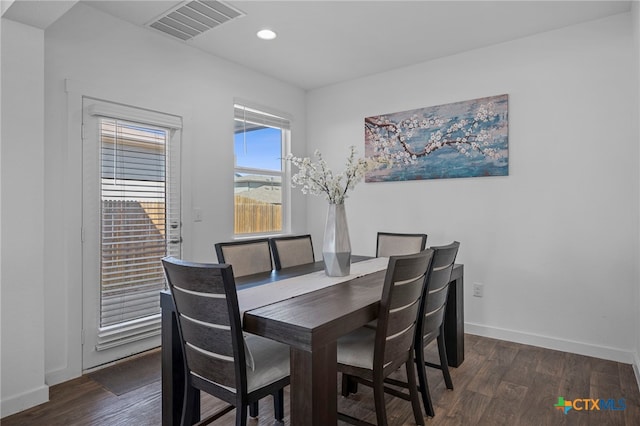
(462, 139)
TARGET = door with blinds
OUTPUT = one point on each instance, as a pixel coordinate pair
(131, 220)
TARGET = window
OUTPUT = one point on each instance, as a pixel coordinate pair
(260, 142)
(135, 233)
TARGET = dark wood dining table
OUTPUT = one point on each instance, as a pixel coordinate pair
(310, 324)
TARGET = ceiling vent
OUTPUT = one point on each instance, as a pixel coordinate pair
(192, 18)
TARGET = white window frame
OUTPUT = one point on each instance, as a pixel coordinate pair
(277, 119)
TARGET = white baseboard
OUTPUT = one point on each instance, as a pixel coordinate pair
(580, 348)
(56, 377)
(24, 401)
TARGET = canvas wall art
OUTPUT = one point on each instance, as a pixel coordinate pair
(461, 139)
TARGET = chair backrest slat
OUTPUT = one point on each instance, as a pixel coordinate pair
(208, 320)
(292, 251)
(397, 244)
(404, 293)
(207, 309)
(209, 338)
(400, 337)
(214, 369)
(247, 257)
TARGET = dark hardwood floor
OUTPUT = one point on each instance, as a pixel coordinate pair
(499, 383)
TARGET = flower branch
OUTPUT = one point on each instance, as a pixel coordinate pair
(317, 179)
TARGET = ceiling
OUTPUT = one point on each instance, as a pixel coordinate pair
(325, 42)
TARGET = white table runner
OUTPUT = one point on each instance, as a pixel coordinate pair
(262, 295)
(266, 294)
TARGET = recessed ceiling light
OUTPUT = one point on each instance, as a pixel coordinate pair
(266, 34)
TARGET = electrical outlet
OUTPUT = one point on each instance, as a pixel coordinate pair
(197, 215)
(478, 289)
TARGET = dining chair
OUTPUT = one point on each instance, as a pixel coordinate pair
(291, 251)
(431, 321)
(214, 350)
(246, 256)
(395, 244)
(370, 355)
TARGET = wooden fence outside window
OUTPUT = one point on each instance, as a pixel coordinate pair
(253, 216)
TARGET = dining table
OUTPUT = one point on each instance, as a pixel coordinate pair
(310, 323)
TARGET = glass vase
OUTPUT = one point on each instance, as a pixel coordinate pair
(336, 247)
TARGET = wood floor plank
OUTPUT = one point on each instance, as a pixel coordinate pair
(551, 362)
(605, 366)
(540, 397)
(576, 379)
(631, 393)
(499, 383)
(628, 383)
(504, 352)
(606, 386)
(505, 407)
(487, 380)
(523, 367)
(483, 346)
(467, 410)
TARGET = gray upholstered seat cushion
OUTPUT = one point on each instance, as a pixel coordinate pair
(271, 360)
(356, 348)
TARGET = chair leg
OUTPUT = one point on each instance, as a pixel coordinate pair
(378, 397)
(278, 405)
(413, 392)
(444, 362)
(189, 416)
(241, 414)
(253, 409)
(345, 385)
(422, 380)
(349, 385)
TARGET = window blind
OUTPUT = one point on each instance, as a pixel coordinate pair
(140, 224)
(249, 115)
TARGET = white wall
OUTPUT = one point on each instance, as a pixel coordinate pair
(4, 5)
(22, 169)
(635, 13)
(1, 102)
(120, 62)
(556, 242)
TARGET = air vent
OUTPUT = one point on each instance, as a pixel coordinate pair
(192, 18)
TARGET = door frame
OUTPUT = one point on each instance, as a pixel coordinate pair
(147, 335)
(64, 320)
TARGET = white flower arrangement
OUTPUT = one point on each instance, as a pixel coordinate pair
(317, 179)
